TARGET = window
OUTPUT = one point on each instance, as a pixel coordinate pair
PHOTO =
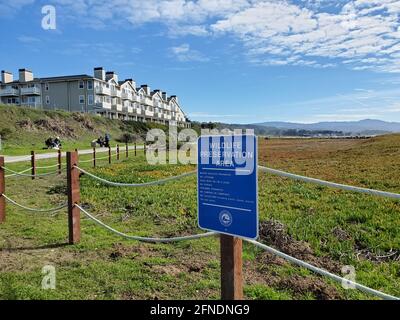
(81, 84)
(90, 99)
(46, 87)
(47, 100)
(90, 85)
(81, 99)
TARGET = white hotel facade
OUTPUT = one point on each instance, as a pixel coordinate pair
(101, 94)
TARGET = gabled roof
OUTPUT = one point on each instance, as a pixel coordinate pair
(127, 82)
(153, 93)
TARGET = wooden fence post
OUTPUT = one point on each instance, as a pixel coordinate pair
(59, 161)
(135, 149)
(117, 151)
(109, 155)
(94, 157)
(126, 150)
(33, 164)
(231, 268)
(2, 190)
(74, 227)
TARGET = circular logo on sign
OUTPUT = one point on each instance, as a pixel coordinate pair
(225, 217)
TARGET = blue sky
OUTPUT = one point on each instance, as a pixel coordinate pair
(237, 61)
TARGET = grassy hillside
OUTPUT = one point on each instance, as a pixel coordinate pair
(24, 129)
(326, 227)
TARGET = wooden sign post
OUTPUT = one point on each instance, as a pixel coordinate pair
(109, 155)
(74, 221)
(227, 187)
(231, 268)
(2, 190)
(126, 150)
(117, 151)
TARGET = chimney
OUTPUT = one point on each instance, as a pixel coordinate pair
(146, 89)
(25, 75)
(176, 98)
(6, 77)
(165, 96)
(99, 73)
(111, 75)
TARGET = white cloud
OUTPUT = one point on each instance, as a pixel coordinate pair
(185, 54)
(28, 39)
(361, 34)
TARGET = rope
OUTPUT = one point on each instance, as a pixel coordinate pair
(145, 184)
(331, 184)
(30, 175)
(13, 175)
(48, 167)
(322, 271)
(86, 161)
(32, 209)
(99, 158)
(145, 239)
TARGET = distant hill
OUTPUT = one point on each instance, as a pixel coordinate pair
(367, 126)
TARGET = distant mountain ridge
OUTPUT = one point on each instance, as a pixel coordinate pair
(362, 126)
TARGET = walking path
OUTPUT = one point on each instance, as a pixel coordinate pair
(50, 155)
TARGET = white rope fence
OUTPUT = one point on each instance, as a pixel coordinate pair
(48, 167)
(262, 169)
(15, 173)
(19, 173)
(209, 234)
(33, 209)
(144, 184)
(145, 239)
(323, 272)
(330, 184)
(258, 244)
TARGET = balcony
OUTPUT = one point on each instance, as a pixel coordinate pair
(129, 109)
(103, 91)
(115, 93)
(34, 91)
(116, 107)
(149, 113)
(9, 92)
(103, 105)
(135, 99)
(126, 96)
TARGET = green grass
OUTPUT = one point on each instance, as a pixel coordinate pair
(104, 266)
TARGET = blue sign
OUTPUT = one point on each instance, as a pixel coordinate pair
(227, 185)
